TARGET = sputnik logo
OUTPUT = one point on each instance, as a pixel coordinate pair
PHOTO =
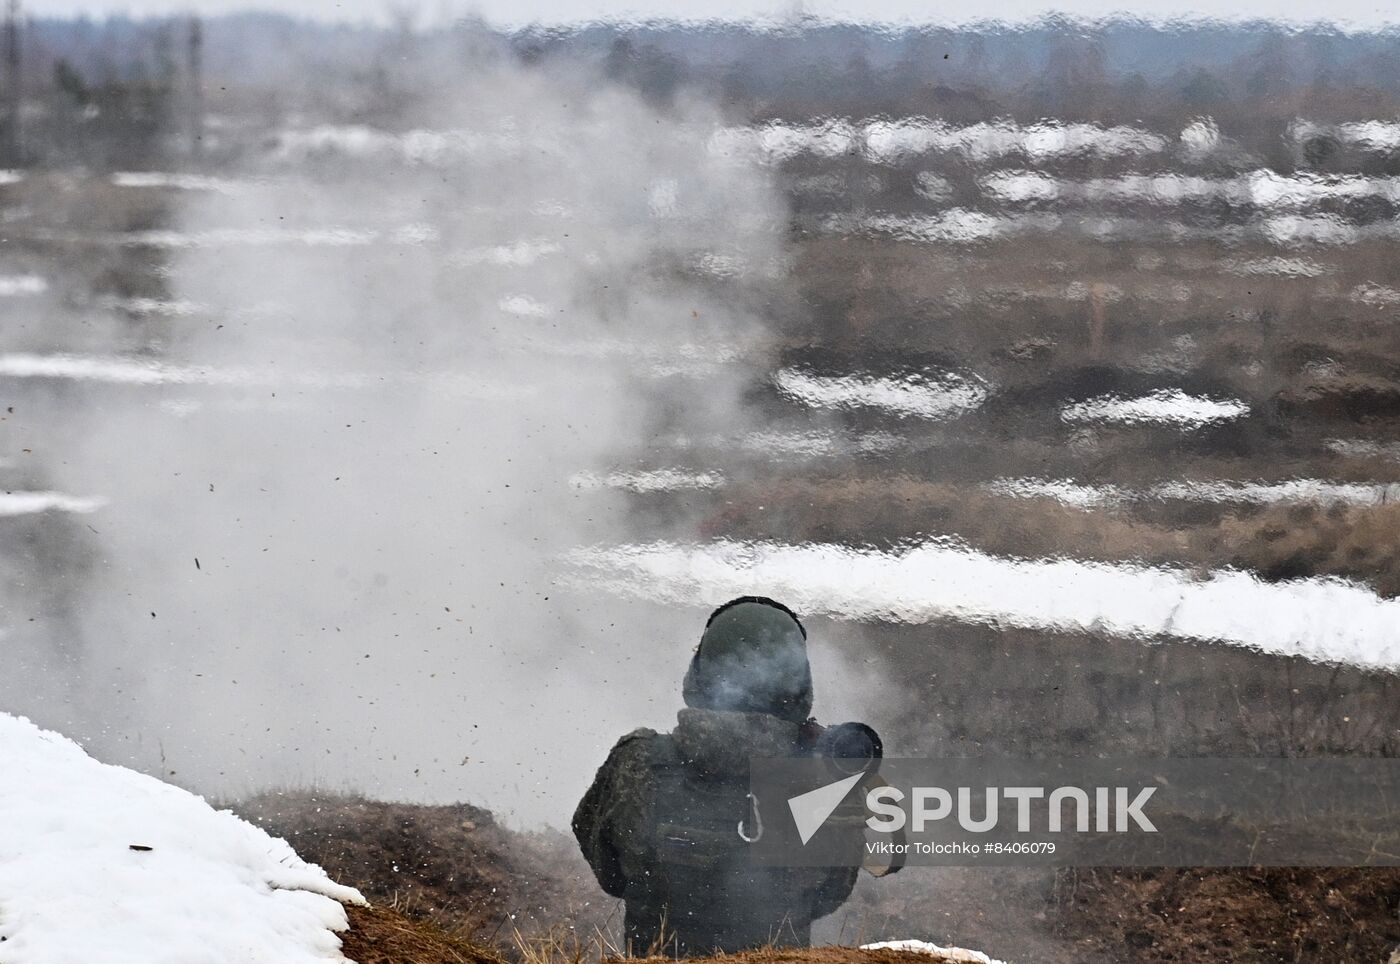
(810, 809)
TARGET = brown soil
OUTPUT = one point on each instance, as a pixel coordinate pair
(452, 865)
(1277, 542)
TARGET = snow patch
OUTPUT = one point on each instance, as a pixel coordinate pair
(519, 254)
(419, 146)
(946, 579)
(328, 237)
(1381, 137)
(1262, 189)
(1280, 267)
(816, 443)
(171, 180)
(961, 955)
(657, 480)
(1200, 138)
(101, 863)
(896, 141)
(118, 370)
(893, 141)
(1289, 491)
(1061, 490)
(954, 226)
(1377, 296)
(28, 503)
(1164, 407)
(522, 306)
(155, 306)
(913, 396)
(22, 284)
(1300, 491)
(1293, 229)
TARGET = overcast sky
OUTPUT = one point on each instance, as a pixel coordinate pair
(1351, 13)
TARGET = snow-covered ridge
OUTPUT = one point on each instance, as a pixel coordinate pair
(945, 579)
(101, 863)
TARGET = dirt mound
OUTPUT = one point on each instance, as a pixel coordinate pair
(454, 865)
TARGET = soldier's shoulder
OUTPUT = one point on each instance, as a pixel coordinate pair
(639, 740)
(640, 733)
(639, 748)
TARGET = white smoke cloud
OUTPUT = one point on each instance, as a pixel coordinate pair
(329, 549)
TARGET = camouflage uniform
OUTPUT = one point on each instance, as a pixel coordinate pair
(659, 825)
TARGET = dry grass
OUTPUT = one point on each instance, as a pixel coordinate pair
(381, 935)
(1237, 915)
(1278, 541)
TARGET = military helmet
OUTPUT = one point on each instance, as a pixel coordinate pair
(752, 658)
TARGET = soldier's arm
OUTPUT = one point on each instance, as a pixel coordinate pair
(596, 821)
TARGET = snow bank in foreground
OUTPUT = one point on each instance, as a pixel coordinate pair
(100, 863)
(960, 954)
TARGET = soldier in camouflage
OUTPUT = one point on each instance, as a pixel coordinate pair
(661, 826)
